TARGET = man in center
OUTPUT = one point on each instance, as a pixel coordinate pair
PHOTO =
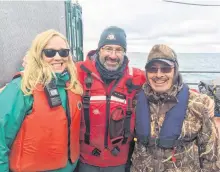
(110, 86)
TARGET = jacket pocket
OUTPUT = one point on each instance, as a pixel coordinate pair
(116, 126)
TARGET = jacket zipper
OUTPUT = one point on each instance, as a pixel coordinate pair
(69, 124)
(108, 98)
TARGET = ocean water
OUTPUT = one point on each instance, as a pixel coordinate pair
(187, 62)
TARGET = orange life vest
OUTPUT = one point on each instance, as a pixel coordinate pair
(42, 141)
(108, 116)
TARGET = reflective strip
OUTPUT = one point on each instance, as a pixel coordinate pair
(116, 99)
(130, 70)
(103, 98)
(94, 98)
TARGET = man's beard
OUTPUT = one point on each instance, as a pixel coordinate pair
(117, 62)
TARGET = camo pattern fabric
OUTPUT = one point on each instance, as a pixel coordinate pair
(185, 158)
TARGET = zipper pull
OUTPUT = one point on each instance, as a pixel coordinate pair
(108, 98)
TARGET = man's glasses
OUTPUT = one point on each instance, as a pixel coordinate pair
(163, 69)
(51, 52)
(110, 50)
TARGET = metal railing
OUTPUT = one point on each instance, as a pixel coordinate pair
(74, 28)
(196, 72)
(195, 4)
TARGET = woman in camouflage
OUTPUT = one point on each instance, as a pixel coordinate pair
(175, 131)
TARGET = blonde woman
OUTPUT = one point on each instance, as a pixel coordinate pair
(40, 110)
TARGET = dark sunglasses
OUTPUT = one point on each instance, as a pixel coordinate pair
(164, 69)
(51, 52)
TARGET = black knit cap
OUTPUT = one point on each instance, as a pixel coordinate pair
(113, 35)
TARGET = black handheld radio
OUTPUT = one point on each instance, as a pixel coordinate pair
(52, 93)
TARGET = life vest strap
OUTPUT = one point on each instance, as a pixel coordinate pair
(127, 123)
(165, 143)
(131, 87)
(86, 103)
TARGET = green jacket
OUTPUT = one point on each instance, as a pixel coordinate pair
(14, 107)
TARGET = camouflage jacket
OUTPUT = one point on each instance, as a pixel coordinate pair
(185, 158)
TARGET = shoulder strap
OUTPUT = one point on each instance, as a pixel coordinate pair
(130, 88)
(172, 125)
(86, 102)
(142, 124)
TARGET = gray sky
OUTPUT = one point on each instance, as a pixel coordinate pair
(147, 22)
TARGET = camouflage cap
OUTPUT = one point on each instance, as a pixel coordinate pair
(162, 53)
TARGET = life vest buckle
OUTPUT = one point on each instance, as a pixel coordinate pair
(96, 152)
(128, 113)
(86, 101)
(88, 81)
(115, 151)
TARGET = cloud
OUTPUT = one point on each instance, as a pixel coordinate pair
(148, 22)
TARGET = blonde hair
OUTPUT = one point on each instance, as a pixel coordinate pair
(37, 71)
